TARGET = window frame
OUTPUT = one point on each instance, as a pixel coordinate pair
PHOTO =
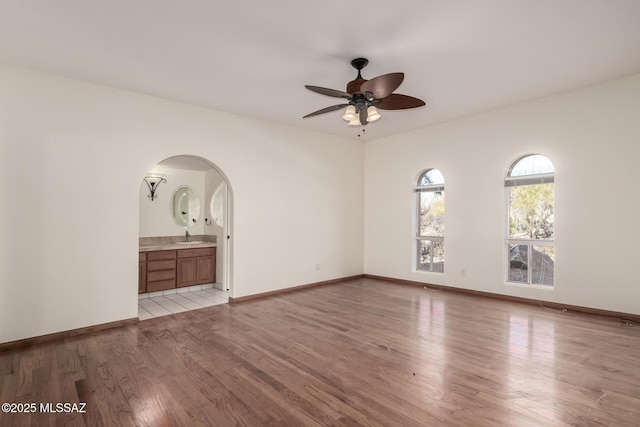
(521, 181)
(418, 237)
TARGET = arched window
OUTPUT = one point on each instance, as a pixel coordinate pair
(430, 221)
(530, 246)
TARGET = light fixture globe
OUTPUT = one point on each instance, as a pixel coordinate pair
(349, 113)
(372, 114)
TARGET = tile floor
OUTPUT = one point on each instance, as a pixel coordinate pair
(156, 304)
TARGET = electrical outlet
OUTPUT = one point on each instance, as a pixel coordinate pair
(463, 272)
(317, 267)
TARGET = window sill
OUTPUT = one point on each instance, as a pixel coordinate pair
(525, 286)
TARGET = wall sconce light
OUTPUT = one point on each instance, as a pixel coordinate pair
(153, 180)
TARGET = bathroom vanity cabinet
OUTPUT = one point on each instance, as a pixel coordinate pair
(196, 266)
(170, 269)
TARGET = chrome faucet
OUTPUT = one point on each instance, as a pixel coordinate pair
(186, 235)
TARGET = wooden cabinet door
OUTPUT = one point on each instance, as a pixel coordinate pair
(186, 272)
(142, 272)
(142, 277)
(206, 270)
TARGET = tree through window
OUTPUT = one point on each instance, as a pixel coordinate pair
(530, 245)
(430, 221)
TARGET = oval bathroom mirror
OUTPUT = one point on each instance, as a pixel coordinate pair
(185, 206)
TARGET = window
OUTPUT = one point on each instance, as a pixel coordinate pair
(530, 247)
(430, 221)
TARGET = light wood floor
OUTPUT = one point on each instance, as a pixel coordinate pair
(362, 352)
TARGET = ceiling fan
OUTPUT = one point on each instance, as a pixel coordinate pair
(365, 96)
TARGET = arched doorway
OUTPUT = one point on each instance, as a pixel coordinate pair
(184, 234)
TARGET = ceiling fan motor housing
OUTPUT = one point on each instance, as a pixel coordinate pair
(361, 101)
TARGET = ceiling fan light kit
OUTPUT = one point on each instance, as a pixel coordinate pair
(349, 113)
(372, 114)
(363, 96)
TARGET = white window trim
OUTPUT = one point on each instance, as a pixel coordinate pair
(417, 189)
(523, 180)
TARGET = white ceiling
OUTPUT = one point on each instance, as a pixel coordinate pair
(254, 57)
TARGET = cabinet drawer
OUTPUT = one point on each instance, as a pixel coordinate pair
(161, 285)
(189, 253)
(157, 255)
(154, 276)
(168, 264)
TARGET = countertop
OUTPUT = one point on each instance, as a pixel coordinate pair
(174, 246)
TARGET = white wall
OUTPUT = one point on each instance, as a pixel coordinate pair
(593, 138)
(215, 182)
(156, 216)
(73, 155)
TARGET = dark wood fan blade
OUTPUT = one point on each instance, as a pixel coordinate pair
(382, 86)
(326, 110)
(395, 101)
(329, 92)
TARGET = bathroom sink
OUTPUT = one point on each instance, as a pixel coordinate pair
(194, 242)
